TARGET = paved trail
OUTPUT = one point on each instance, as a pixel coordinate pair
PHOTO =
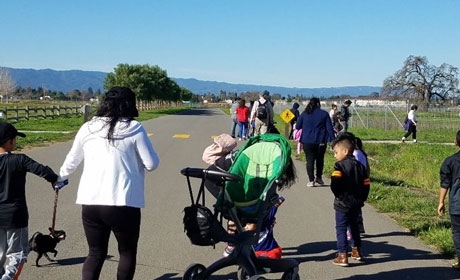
(305, 225)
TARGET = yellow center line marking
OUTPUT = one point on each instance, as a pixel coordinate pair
(149, 134)
(183, 136)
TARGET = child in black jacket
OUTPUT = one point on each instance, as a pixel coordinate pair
(14, 216)
(350, 185)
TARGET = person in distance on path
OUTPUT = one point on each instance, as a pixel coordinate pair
(317, 131)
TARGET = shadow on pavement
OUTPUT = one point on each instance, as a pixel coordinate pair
(78, 260)
(178, 276)
(376, 253)
(418, 273)
(71, 261)
(383, 251)
(201, 112)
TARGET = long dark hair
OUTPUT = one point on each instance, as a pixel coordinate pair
(119, 104)
(312, 105)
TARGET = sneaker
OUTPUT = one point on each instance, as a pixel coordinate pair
(356, 253)
(311, 184)
(319, 181)
(456, 264)
(342, 259)
(228, 250)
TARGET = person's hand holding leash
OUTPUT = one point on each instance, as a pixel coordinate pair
(60, 183)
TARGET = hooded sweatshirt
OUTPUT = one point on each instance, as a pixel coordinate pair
(113, 172)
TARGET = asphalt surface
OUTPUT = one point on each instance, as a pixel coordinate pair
(305, 222)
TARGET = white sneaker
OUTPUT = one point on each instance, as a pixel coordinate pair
(311, 184)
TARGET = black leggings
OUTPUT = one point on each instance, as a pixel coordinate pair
(98, 222)
(314, 153)
(412, 130)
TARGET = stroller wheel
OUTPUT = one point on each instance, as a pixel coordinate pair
(193, 272)
(291, 274)
(241, 274)
(257, 277)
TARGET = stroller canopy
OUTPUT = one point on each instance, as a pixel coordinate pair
(260, 162)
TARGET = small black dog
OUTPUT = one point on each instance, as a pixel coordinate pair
(42, 244)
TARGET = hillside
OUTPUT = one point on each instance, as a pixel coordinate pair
(69, 80)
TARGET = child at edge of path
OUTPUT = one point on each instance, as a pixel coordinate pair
(14, 217)
(450, 183)
(361, 156)
(350, 186)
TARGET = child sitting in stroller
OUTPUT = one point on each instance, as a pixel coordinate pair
(267, 246)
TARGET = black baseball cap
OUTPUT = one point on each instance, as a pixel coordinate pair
(8, 131)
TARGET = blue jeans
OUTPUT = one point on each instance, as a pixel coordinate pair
(343, 220)
(243, 129)
(455, 223)
(234, 123)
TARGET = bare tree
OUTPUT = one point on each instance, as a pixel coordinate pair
(6, 83)
(420, 81)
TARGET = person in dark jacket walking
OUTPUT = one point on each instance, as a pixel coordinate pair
(317, 131)
(295, 111)
(14, 217)
(450, 183)
(345, 115)
(350, 186)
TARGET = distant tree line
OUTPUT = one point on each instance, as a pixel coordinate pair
(417, 81)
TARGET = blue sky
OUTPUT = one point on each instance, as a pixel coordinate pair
(310, 43)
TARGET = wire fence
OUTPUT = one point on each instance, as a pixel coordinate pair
(388, 116)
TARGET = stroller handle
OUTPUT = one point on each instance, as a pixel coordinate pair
(211, 174)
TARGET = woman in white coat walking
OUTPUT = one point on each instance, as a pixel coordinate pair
(116, 152)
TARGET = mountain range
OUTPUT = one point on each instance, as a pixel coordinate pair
(68, 80)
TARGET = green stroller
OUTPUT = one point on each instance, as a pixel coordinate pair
(249, 190)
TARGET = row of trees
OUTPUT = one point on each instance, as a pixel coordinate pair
(417, 80)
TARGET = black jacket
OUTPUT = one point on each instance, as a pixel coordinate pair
(13, 170)
(450, 179)
(350, 184)
(344, 113)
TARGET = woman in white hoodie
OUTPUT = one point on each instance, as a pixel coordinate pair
(116, 152)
